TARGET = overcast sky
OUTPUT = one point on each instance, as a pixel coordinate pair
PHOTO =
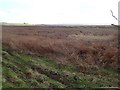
(59, 11)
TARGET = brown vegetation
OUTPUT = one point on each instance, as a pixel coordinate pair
(88, 47)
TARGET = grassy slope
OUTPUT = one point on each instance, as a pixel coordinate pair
(21, 70)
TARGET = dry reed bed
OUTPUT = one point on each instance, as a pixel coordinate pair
(85, 54)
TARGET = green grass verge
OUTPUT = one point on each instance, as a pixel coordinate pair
(25, 71)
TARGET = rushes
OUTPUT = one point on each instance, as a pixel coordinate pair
(87, 53)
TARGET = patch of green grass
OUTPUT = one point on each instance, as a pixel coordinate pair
(21, 70)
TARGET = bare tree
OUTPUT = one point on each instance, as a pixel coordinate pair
(114, 16)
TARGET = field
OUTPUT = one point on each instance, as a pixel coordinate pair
(60, 56)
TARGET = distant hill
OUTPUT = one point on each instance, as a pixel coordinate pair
(16, 24)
